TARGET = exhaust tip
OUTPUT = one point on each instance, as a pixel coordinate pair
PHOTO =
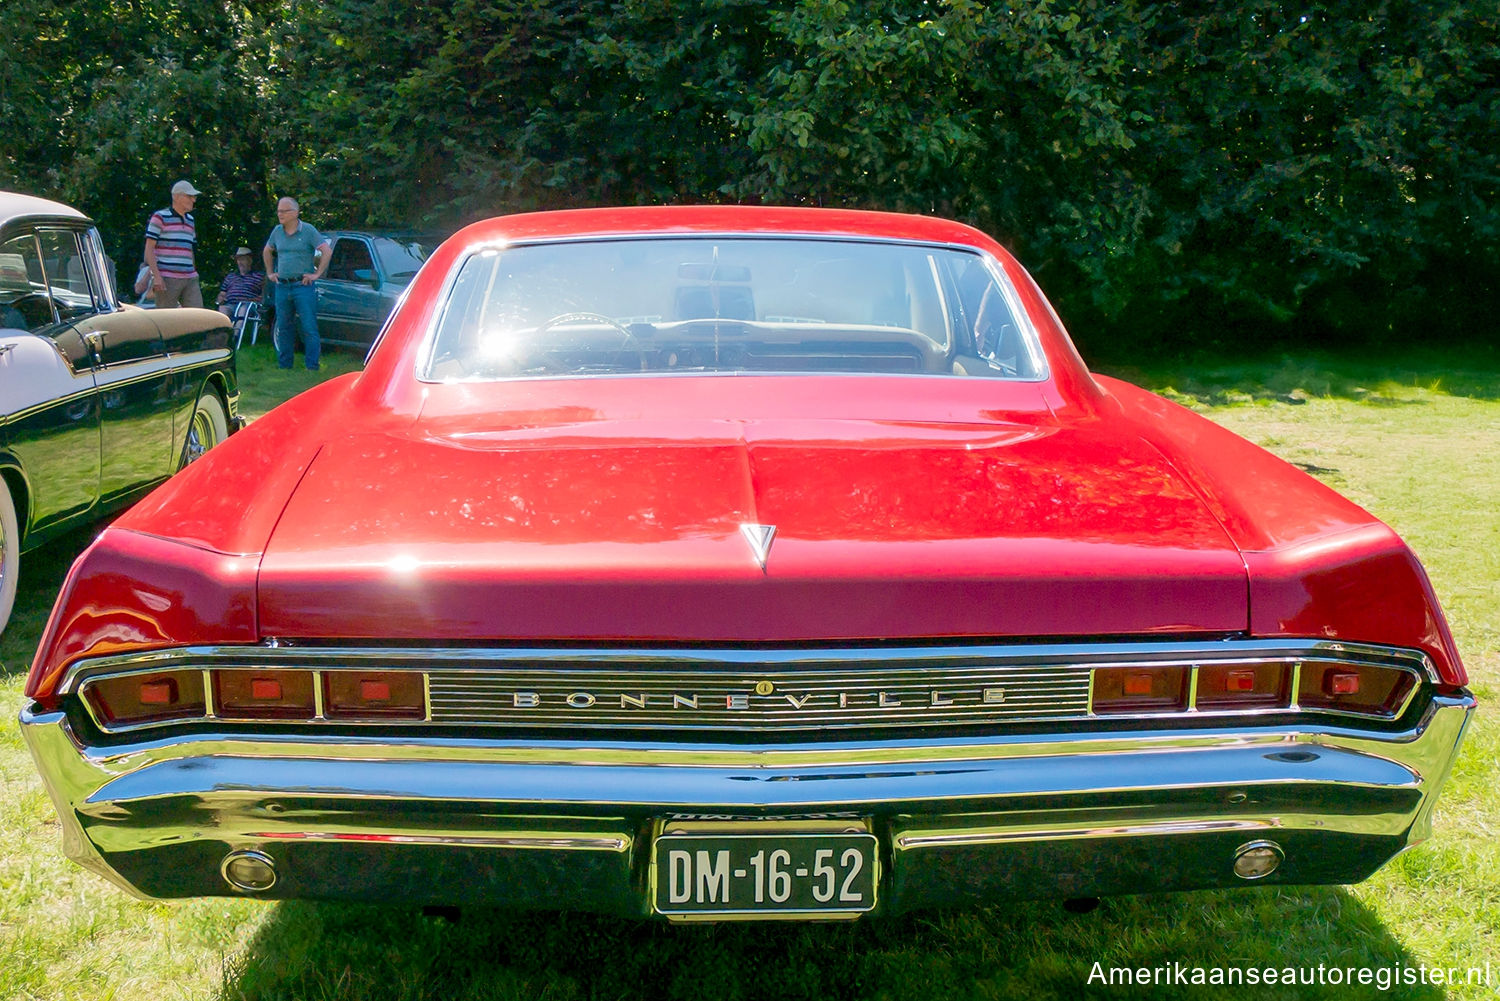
(1257, 859)
(249, 871)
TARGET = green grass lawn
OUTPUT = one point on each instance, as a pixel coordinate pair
(1418, 444)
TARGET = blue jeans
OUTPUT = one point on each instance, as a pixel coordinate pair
(293, 296)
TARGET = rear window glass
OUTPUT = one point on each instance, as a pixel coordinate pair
(733, 305)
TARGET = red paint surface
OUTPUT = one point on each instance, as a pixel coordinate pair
(614, 530)
(608, 509)
(131, 592)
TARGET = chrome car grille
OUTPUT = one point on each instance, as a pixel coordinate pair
(922, 695)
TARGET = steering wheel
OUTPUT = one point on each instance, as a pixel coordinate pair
(628, 342)
(34, 307)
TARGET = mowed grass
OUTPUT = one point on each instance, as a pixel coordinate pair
(1418, 444)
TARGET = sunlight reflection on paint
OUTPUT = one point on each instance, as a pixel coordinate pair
(404, 565)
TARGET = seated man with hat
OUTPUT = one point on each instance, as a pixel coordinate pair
(241, 284)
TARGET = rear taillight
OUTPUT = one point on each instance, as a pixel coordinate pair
(147, 698)
(1243, 686)
(1140, 689)
(1355, 688)
(1364, 689)
(249, 695)
(373, 695)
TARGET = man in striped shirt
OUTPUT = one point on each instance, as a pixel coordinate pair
(241, 284)
(170, 238)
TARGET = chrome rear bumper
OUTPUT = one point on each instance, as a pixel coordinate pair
(568, 823)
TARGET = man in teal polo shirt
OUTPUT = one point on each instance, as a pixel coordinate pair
(301, 259)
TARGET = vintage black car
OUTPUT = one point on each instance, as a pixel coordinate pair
(99, 400)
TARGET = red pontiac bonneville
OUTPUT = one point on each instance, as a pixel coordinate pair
(738, 563)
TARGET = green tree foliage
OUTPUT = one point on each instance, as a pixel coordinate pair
(1316, 162)
(108, 102)
(1173, 173)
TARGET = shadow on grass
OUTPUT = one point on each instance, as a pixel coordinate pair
(1377, 380)
(42, 573)
(1031, 949)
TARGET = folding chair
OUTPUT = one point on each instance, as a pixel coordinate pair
(246, 314)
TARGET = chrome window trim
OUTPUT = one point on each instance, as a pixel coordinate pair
(79, 253)
(1011, 294)
(36, 246)
(108, 299)
(277, 654)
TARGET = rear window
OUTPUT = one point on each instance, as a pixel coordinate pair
(401, 258)
(732, 305)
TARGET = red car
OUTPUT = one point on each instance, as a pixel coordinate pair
(738, 563)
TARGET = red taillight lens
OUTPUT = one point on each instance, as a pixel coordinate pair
(265, 689)
(1340, 683)
(1243, 686)
(264, 694)
(1140, 689)
(162, 692)
(1358, 688)
(146, 698)
(373, 695)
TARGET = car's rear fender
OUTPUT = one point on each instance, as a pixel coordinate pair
(1318, 564)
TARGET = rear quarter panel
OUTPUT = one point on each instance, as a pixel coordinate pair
(1319, 565)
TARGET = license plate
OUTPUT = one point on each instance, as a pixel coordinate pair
(816, 874)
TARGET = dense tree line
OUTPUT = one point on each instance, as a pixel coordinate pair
(1173, 173)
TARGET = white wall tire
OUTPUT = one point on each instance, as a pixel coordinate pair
(10, 553)
(209, 426)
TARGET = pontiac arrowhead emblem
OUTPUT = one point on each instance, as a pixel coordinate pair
(759, 537)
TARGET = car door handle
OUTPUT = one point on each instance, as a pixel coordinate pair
(95, 341)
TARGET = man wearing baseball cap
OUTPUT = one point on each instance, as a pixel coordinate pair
(170, 238)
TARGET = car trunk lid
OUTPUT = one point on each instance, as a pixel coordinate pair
(633, 531)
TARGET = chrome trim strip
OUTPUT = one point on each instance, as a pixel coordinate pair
(99, 380)
(851, 666)
(280, 652)
(863, 754)
(53, 401)
(1005, 835)
(527, 841)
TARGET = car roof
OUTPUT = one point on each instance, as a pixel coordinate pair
(723, 220)
(388, 376)
(14, 205)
